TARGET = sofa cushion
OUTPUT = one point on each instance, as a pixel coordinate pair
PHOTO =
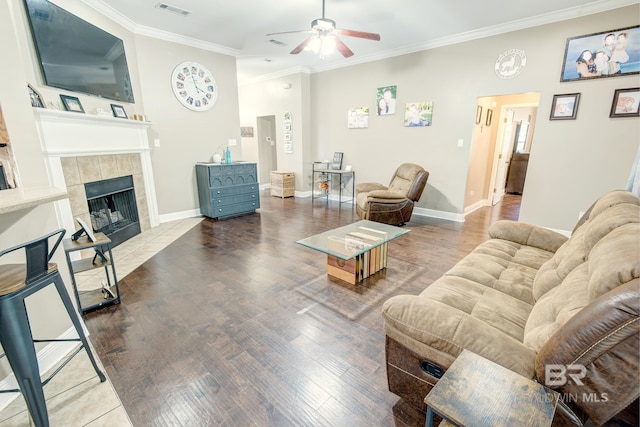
(458, 310)
(617, 208)
(604, 253)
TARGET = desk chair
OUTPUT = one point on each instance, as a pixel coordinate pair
(17, 282)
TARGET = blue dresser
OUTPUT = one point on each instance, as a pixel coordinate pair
(227, 190)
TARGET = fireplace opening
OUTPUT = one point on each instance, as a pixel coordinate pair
(112, 207)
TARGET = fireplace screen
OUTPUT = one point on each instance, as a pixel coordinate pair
(112, 206)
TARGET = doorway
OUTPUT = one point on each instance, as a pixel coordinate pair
(501, 142)
(267, 153)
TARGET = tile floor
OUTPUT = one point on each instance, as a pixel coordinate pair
(75, 396)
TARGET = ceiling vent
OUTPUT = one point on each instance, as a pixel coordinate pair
(277, 42)
(169, 8)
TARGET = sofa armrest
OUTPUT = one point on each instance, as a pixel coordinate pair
(449, 330)
(365, 187)
(527, 234)
(386, 195)
(599, 349)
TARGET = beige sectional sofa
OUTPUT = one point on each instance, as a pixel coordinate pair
(529, 298)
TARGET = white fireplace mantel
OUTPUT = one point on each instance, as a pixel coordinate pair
(70, 134)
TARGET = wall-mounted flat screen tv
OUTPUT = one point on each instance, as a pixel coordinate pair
(76, 55)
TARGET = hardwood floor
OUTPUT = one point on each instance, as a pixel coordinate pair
(235, 324)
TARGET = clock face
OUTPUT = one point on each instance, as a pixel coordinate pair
(194, 86)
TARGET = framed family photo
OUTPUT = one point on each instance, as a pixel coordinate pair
(609, 53)
(358, 118)
(418, 114)
(564, 107)
(626, 103)
(386, 100)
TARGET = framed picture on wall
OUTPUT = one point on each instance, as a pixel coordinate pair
(489, 117)
(564, 107)
(610, 53)
(247, 131)
(626, 103)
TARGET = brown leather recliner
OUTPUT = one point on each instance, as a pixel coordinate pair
(393, 204)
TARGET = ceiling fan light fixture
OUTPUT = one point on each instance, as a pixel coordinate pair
(323, 24)
(327, 46)
(323, 45)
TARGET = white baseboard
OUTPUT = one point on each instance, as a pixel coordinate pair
(179, 215)
(48, 357)
(477, 205)
(431, 213)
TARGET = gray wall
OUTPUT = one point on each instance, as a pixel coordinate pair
(571, 163)
(185, 136)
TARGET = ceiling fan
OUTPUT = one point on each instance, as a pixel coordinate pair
(325, 38)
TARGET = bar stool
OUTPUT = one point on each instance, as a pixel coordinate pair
(18, 281)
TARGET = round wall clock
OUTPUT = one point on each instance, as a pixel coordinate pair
(510, 63)
(194, 86)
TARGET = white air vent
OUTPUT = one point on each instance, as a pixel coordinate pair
(277, 42)
(169, 8)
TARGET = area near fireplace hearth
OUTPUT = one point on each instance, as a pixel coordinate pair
(85, 151)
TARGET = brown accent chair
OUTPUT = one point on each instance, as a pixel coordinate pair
(531, 299)
(393, 204)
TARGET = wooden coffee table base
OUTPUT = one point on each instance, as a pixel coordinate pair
(355, 270)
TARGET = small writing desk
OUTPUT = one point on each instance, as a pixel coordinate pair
(342, 175)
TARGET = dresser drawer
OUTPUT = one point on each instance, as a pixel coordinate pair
(232, 200)
(224, 211)
(234, 174)
(234, 190)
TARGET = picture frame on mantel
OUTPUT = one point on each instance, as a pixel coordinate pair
(35, 97)
(118, 111)
(72, 103)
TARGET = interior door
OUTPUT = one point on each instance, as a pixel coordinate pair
(504, 155)
(267, 153)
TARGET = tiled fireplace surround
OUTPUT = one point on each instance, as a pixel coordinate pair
(83, 148)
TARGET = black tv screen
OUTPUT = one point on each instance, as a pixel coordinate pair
(76, 55)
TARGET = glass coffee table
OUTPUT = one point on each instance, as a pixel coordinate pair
(355, 251)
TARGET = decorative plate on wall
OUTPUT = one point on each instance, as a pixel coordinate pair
(194, 86)
(510, 63)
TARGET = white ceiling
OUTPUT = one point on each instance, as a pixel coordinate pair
(239, 27)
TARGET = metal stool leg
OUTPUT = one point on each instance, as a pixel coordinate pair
(16, 339)
(64, 296)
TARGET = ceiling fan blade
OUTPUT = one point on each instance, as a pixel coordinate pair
(290, 32)
(343, 49)
(302, 45)
(359, 34)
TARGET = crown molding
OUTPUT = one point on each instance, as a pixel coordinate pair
(275, 75)
(130, 25)
(534, 21)
(549, 18)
